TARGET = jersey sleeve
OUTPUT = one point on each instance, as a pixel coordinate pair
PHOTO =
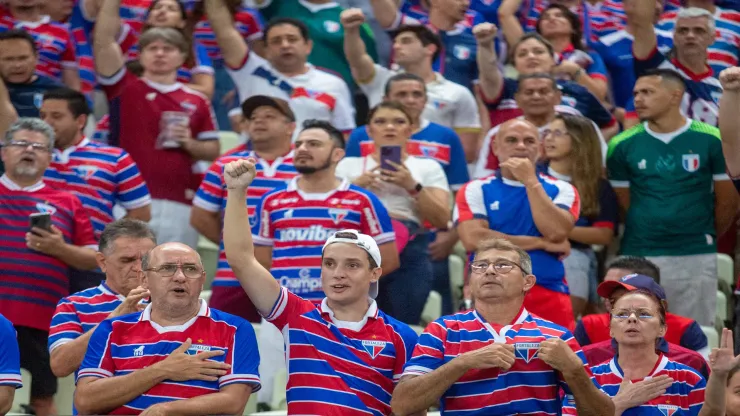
(211, 194)
(469, 203)
(717, 161)
(69, 57)
(65, 325)
(132, 191)
(376, 220)
(244, 359)
(203, 64)
(84, 235)
(114, 85)
(98, 362)
(652, 61)
(694, 338)
(597, 68)
(404, 344)
(352, 148)
(433, 176)
(375, 86)
(343, 116)
(608, 216)
(616, 164)
(288, 306)
(263, 233)
(429, 353)
(567, 198)
(457, 170)
(466, 115)
(204, 125)
(10, 359)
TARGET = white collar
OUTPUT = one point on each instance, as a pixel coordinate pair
(659, 366)
(147, 316)
(108, 291)
(293, 186)
(163, 88)
(557, 175)
(315, 8)
(500, 336)
(33, 25)
(62, 156)
(372, 312)
(8, 183)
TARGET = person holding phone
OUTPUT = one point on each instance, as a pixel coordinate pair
(415, 191)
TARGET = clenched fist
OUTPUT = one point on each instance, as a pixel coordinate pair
(240, 173)
(496, 355)
(485, 32)
(730, 79)
(352, 18)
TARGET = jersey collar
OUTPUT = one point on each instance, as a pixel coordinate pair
(270, 169)
(660, 364)
(147, 316)
(62, 156)
(8, 183)
(293, 187)
(500, 335)
(372, 313)
(693, 75)
(108, 291)
(163, 88)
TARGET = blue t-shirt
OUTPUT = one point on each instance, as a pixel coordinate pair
(10, 359)
(27, 97)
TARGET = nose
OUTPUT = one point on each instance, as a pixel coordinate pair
(632, 317)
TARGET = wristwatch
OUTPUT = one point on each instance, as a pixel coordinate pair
(416, 190)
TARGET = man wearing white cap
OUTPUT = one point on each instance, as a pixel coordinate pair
(344, 355)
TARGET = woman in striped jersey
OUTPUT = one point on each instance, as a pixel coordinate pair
(642, 381)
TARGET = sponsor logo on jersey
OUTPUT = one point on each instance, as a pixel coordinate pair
(312, 233)
(665, 164)
(668, 409)
(428, 151)
(494, 206)
(374, 348)
(139, 351)
(337, 215)
(38, 99)
(569, 101)
(461, 52)
(46, 208)
(151, 96)
(276, 202)
(198, 348)
(690, 162)
(371, 223)
(337, 201)
(439, 105)
(527, 351)
(642, 165)
(331, 27)
(85, 171)
(288, 214)
(189, 107)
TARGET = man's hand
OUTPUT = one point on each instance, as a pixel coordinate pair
(636, 394)
(352, 19)
(562, 248)
(730, 79)
(567, 68)
(494, 355)
(180, 366)
(722, 359)
(239, 174)
(485, 33)
(522, 169)
(442, 246)
(159, 409)
(131, 303)
(557, 354)
(47, 242)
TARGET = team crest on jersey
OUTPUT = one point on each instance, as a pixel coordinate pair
(38, 99)
(337, 215)
(331, 27)
(690, 162)
(428, 151)
(569, 101)
(461, 52)
(46, 208)
(527, 351)
(668, 409)
(189, 107)
(439, 105)
(374, 348)
(85, 171)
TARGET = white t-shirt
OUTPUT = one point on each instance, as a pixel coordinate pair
(397, 200)
(448, 103)
(313, 95)
(481, 171)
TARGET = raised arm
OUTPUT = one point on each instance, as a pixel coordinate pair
(257, 281)
(729, 122)
(491, 78)
(108, 56)
(360, 62)
(233, 47)
(385, 12)
(721, 360)
(91, 8)
(641, 15)
(7, 112)
(509, 22)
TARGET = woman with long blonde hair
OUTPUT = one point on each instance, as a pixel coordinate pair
(573, 152)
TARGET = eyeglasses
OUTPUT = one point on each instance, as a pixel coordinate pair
(190, 271)
(22, 144)
(499, 266)
(555, 133)
(642, 315)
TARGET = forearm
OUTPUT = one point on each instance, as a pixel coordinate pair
(590, 401)
(729, 127)
(142, 213)
(81, 258)
(385, 12)
(472, 238)
(71, 78)
(220, 403)
(417, 394)
(552, 222)
(714, 395)
(433, 209)
(67, 358)
(609, 132)
(509, 22)
(108, 22)
(207, 150)
(490, 75)
(233, 47)
(7, 393)
(642, 23)
(360, 62)
(103, 395)
(591, 235)
(7, 111)
(204, 84)
(594, 86)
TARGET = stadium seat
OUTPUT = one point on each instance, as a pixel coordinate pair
(65, 394)
(256, 328)
(205, 295)
(209, 256)
(418, 329)
(23, 394)
(228, 140)
(432, 309)
(279, 402)
(712, 336)
(457, 279)
(725, 270)
(721, 306)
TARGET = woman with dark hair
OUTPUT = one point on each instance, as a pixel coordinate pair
(415, 192)
(563, 29)
(572, 150)
(642, 381)
(732, 393)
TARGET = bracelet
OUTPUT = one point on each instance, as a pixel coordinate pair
(535, 185)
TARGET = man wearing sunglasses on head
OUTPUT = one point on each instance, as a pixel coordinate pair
(177, 356)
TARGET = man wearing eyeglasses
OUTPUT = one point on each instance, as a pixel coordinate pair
(177, 356)
(36, 260)
(498, 359)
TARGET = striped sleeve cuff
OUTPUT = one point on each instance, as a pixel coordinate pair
(13, 380)
(250, 379)
(94, 372)
(279, 307)
(415, 370)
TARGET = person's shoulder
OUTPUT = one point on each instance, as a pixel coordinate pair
(704, 129)
(359, 133)
(354, 161)
(625, 136)
(42, 81)
(615, 37)
(227, 318)
(325, 75)
(439, 132)
(84, 296)
(402, 329)
(196, 94)
(682, 372)
(572, 87)
(548, 328)
(423, 163)
(5, 324)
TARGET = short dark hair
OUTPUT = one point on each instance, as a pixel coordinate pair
(76, 101)
(404, 76)
(279, 21)
(425, 35)
(636, 264)
(334, 133)
(125, 227)
(390, 105)
(20, 34)
(536, 75)
(665, 74)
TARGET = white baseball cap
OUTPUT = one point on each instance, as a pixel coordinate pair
(363, 241)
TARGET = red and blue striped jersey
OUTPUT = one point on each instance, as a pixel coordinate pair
(505, 205)
(615, 9)
(134, 12)
(34, 282)
(10, 357)
(211, 195)
(80, 29)
(247, 21)
(122, 345)
(102, 130)
(595, 20)
(101, 176)
(589, 60)
(725, 50)
(53, 40)
(296, 224)
(529, 387)
(431, 141)
(684, 397)
(80, 312)
(339, 368)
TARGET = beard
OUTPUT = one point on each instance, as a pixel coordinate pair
(25, 170)
(307, 170)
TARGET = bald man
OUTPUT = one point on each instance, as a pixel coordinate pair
(534, 211)
(177, 356)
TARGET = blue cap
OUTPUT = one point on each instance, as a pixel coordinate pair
(632, 282)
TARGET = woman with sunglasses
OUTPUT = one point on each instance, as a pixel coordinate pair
(642, 381)
(572, 153)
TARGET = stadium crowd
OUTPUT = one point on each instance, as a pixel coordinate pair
(577, 162)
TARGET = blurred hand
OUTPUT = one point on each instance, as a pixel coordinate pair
(131, 303)
(485, 33)
(557, 354)
(722, 359)
(239, 174)
(730, 79)
(494, 355)
(352, 18)
(568, 68)
(159, 409)
(47, 242)
(369, 180)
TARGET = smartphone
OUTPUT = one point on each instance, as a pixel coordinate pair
(390, 153)
(40, 220)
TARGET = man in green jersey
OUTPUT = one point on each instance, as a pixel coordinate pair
(669, 176)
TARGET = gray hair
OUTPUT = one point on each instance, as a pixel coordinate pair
(501, 244)
(32, 124)
(122, 228)
(147, 257)
(689, 12)
(167, 34)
